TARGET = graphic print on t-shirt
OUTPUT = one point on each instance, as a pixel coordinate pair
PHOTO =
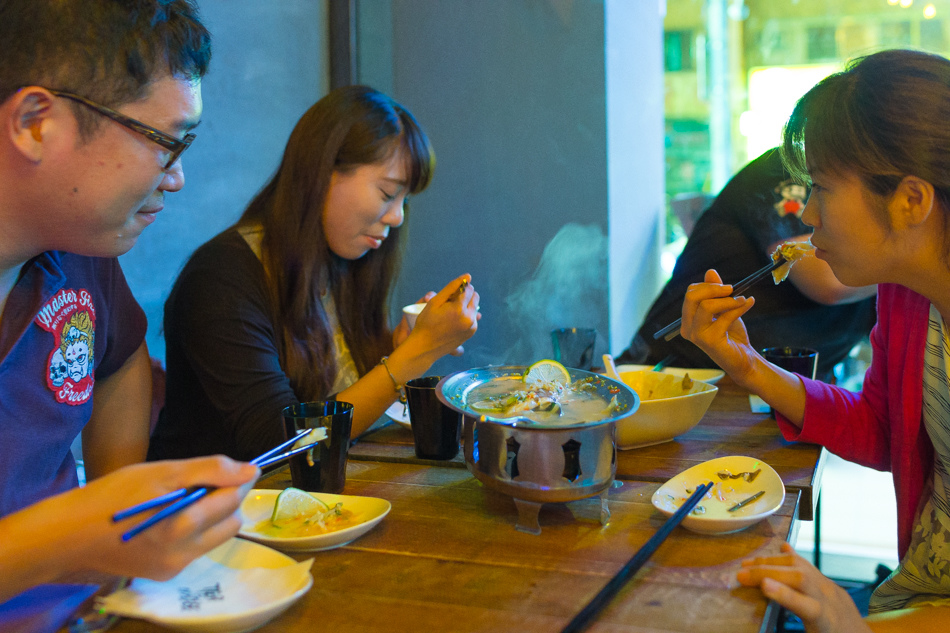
(70, 317)
(793, 198)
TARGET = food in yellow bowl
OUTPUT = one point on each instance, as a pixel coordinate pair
(299, 513)
(670, 405)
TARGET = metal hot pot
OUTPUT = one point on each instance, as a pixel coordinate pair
(538, 463)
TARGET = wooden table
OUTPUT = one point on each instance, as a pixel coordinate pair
(448, 558)
(728, 428)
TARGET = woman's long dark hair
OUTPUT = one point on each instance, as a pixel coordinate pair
(350, 127)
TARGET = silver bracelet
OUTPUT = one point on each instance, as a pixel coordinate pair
(385, 365)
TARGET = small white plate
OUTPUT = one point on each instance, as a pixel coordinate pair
(711, 376)
(717, 519)
(259, 505)
(235, 554)
(399, 413)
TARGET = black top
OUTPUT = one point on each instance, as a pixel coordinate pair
(758, 207)
(225, 387)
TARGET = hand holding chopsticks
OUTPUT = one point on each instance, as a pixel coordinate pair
(583, 619)
(184, 497)
(672, 330)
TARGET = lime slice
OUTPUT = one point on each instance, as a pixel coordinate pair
(294, 503)
(546, 371)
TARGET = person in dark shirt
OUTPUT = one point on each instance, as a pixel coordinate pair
(291, 304)
(758, 210)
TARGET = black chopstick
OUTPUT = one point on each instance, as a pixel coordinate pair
(583, 619)
(672, 330)
(184, 497)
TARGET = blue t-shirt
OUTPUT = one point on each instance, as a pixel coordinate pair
(68, 322)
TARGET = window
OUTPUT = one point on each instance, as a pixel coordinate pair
(774, 51)
(678, 51)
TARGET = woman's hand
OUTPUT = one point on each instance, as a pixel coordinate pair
(797, 585)
(449, 319)
(73, 531)
(401, 333)
(711, 320)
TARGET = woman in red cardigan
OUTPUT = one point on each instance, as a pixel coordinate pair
(874, 142)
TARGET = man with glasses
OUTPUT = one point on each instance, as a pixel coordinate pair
(98, 100)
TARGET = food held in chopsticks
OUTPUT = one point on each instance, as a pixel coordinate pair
(544, 393)
(311, 440)
(791, 252)
(299, 513)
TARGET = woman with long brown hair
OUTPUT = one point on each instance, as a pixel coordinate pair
(291, 303)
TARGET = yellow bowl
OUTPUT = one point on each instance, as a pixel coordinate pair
(667, 409)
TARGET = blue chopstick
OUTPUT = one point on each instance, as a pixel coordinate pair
(184, 497)
(184, 502)
(148, 505)
(283, 456)
(260, 459)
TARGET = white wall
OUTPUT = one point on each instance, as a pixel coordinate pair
(635, 161)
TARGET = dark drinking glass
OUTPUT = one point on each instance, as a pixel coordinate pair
(436, 429)
(327, 472)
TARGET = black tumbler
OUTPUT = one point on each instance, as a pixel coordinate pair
(436, 429)
(324, 468)
(801, 360)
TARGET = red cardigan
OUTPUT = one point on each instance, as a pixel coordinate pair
(881, 427)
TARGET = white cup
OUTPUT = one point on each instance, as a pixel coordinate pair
(411, 312)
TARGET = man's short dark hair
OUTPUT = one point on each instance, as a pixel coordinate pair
(106, 50)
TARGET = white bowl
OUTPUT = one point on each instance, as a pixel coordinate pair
(259, 505)
(267, 596)
(666, 408)
(711, 376)
(412, 312)
(717, 519)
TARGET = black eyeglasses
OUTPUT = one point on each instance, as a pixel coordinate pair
(172, 144)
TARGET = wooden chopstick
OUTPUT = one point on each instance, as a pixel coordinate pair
(184, 497)
(672, 330)
(584, 618)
